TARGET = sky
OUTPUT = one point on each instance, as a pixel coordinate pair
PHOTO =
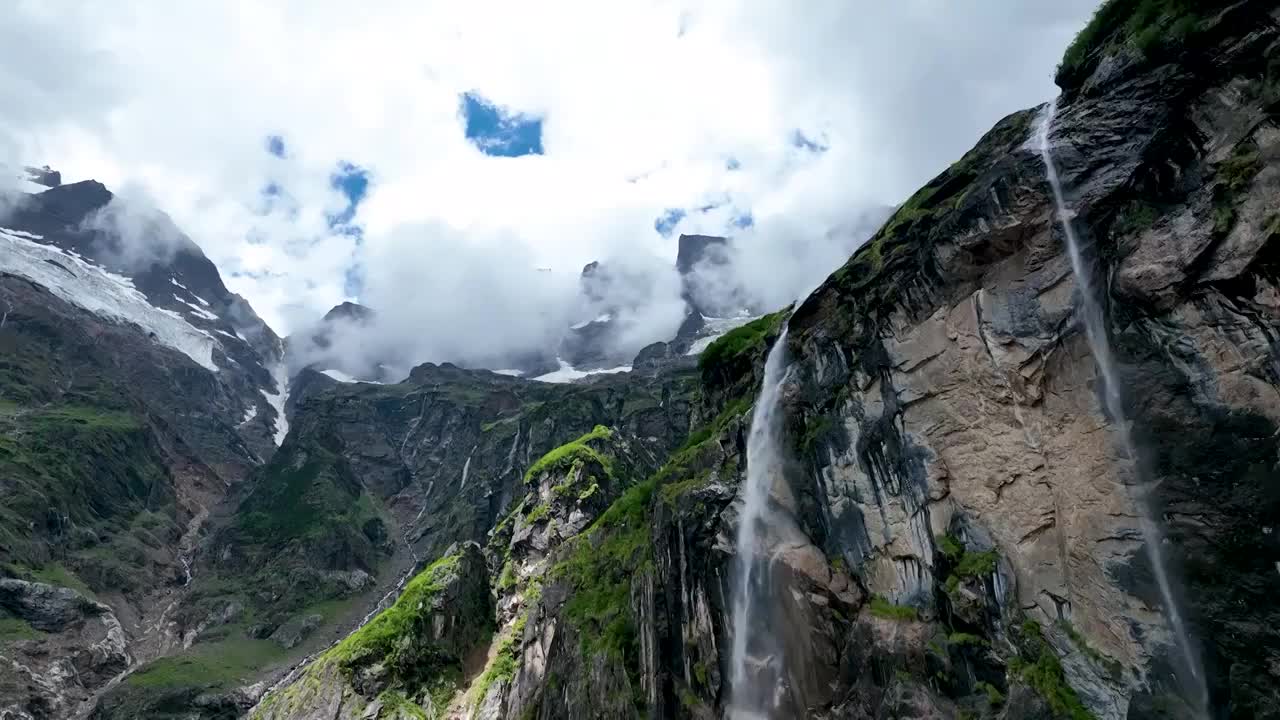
(434, 159)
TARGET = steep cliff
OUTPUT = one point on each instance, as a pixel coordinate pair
(958, 532)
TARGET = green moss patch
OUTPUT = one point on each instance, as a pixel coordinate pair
(566, 454)
(1151, 28)
(379, 639)
(883, 608)
(741, 342)
(599, 565)
(505, 661)
(13, 629)
(1039, 667)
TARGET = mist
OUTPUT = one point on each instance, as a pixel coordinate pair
(131, 234)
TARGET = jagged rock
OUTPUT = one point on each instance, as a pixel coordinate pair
(295, 630)
(46, 607)
(693, 249)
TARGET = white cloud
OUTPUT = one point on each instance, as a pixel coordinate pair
(178, 99)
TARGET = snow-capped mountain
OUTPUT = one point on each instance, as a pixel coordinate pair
(133, 266)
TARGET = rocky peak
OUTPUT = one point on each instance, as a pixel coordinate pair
(43, 176)
(693, 249)
(72, 203)
(350, 312)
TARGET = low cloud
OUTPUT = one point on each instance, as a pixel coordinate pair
(799, 116)
(131, 234)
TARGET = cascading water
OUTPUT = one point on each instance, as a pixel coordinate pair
(751, 693)
(1096, 333)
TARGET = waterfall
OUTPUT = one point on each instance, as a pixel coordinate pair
(754, 696)
(1095, 328)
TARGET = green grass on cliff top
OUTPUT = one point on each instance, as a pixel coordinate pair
(574, 450)
(1146, 25)
(738, 342)
(380, 637)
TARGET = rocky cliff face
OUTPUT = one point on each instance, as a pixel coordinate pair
(133, 397)
(959, 534)
(957, 531)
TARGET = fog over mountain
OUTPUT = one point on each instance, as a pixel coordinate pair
(427, 161)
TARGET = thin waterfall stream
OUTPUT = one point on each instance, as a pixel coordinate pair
(751, 694)
(1187, 661)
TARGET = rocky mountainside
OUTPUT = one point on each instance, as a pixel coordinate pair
(956, 528)
(135, 393)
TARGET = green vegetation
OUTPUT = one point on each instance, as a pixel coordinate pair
(566, 454)
(399, 639)
(964, 639)
(505, 661)
(882, 608)
(1112, 666)
(218, 664)
(965, 565)
(950, 547)
(537, 513)
(58, 574)
(815, 431)
(1236, 174)
(95, 468)
(507, 578)
(1039, 667)
(1239, 170)
(599, 565)
(994, 696)
(13, 629)
(1135, 217)
(308, 492)
(1150, 27)
(977, 564)
(693, 458)
(396, 705)
(378, 640)
(738, 344)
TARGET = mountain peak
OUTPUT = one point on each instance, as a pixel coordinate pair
(73, 202)
(349, 311)
(693, 249)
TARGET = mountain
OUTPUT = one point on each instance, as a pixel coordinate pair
(961, 506)
(597, 342)
(136, 395)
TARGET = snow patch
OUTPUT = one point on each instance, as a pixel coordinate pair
(277, 401)
(250, 414)
(197, 310)
(509, 372)
(568, 373)
(339, 376)
(718, 327)
(103, 293)
(602, 318)
(345, 378)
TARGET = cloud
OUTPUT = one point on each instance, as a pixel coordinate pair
(640, 107)
(132, 234)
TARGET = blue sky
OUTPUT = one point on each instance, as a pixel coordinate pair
(500, 131)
